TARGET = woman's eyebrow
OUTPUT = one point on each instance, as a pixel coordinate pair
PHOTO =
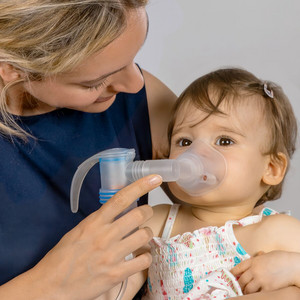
(101, 77)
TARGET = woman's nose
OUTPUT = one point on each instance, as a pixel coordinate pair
(129, 80)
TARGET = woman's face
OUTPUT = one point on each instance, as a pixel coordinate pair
(93, 85)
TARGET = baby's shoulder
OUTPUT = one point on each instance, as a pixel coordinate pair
(278, 223)
(157, 222)
(276, 232)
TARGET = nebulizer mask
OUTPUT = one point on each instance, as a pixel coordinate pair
(198, 170)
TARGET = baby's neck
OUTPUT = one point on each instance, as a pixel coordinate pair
(218, 216)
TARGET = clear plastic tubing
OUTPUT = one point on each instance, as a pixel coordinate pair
(168, 169)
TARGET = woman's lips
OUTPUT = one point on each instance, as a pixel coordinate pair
(104, 99)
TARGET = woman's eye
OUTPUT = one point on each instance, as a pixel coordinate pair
(96, 87)
(184, 142)
(224, 141)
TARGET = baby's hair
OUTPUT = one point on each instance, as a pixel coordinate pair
(48, 37)
(234, 85)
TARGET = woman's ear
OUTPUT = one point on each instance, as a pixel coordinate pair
(275, 169)
(9, 73)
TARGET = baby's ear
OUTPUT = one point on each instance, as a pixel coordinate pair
(275, 169)
(8, 73)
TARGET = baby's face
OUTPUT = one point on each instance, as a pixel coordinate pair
(240, 135)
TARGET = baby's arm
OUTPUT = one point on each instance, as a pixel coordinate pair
(278, 268)
(269, 271)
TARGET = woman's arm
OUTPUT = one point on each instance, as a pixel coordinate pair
(160, 101)
(289, 293)
(89, 260)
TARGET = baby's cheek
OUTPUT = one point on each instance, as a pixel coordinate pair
(180, 194)
(177, 191)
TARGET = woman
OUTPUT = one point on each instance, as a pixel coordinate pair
(69, 89)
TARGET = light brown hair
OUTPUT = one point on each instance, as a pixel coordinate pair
(233, 85)
(47, 37)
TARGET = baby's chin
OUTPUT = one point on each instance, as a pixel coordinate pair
(178, 195)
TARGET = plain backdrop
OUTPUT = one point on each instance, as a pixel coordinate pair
(188, 38)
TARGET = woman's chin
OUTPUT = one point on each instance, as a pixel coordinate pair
(97, 106)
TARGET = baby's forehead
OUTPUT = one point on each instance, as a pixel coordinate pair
(243, 110)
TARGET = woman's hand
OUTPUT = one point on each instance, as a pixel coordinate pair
(89, 260)
(268, 271)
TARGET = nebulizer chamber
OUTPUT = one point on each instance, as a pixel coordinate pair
(197, 170)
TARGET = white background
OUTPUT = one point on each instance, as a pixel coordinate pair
(188, 38)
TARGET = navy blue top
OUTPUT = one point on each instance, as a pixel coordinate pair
(35, 177)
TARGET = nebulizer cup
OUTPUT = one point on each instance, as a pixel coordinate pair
(197, 170)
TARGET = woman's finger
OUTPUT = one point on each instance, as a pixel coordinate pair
(134, 242)
(137, 264)
(131, 221)
(125, 197)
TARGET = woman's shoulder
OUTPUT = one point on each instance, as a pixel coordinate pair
(157, 90)
(160, 102)
(157, 222)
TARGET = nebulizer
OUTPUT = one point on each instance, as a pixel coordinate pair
(198, 170)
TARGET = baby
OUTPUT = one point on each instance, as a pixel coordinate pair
(197, 242)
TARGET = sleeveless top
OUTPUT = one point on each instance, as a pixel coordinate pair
(196, 265)
(35, 177)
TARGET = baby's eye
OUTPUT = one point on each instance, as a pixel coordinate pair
(224, 141)
(184, 142)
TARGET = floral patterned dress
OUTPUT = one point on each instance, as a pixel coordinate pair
(195, 265)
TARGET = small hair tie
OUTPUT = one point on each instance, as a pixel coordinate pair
(268, 92)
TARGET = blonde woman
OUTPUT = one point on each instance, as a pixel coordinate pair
(69, 89)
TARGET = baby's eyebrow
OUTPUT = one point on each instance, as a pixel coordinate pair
(230, 130)
(217, 128)
(178, 129)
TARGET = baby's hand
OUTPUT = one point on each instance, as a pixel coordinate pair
(268, 271)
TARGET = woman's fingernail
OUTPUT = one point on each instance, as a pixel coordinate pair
(155, 180)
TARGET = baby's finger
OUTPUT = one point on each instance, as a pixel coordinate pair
(245, 278)
(121, 200)
(241, 267)
(252, 287)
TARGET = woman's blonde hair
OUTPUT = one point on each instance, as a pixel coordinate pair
(47, 37)
(232, 86)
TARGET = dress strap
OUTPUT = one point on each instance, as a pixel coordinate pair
(170, 221)
(256, 218)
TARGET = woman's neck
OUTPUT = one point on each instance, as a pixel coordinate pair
(21, 103)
